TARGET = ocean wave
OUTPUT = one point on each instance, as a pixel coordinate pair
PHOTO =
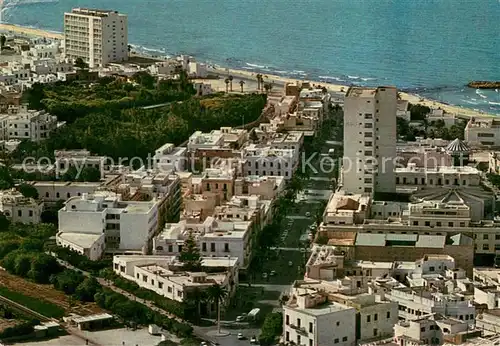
(255, 65)
(338, 79)
(494, 103)
(367, 79)
(470, 102)
(353, 77)
(148, 49)
(483, 96)
(280, 72)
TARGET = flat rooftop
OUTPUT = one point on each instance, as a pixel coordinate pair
(84, 240)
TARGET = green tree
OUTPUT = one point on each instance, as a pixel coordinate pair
(42, 267)
(28, 190)
(195, 298)
(86, 291)
(4, 223)
(216, 294)
(144, 79)
(81, 64)
(271, 328)
(190, 254)
(90, 174)
(22, 264)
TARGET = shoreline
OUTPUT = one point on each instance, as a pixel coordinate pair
(459, 111)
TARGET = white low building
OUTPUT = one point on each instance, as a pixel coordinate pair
(165, 276)
(79, 159)
(54, 191)
(168, 157)
(18, 208)
(89, 245)
(127, 225)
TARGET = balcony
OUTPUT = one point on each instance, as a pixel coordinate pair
(300, 330)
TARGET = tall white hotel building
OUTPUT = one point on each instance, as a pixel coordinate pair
(369, 140)
(97, 36)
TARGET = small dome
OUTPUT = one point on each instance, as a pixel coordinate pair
(457, 146)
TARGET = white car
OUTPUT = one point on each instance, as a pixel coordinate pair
(308, 214)
(240, 318)
(264, 275)
(253, 340)
(240, 336)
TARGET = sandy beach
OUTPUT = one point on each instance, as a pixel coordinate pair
(279, 81)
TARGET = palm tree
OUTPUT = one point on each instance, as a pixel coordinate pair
(217, 294)
(242, 82)
(230, 82)
(227, 84)
(196, 297)
(259, 78)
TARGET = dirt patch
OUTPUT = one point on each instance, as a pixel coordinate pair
(5, 323)
(48, 293)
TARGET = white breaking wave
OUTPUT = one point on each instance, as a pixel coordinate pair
(353, 77)
(255, 65)
(367, 79)
(494, 103)
(470, 102)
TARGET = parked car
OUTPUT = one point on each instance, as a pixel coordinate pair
(253, 340)
(308, 214)
(264, 275)
(272, 273)
(240, 336)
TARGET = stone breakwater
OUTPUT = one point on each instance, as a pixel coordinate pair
(484, 85)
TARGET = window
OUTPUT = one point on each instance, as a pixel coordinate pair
(338, 323)
(427, 223)
(344, 338)
(388, 314)
(486, 247)
(368, 144)
(31, 213)
(287, 320)
(432, 269)
(462, 224)
(204, 247)
(212, 247)
(336, 341)
(169, 289)
(368, 318)
(160, 284)
(368, 134)
(422, 329)
(287, 336)
(375, 331)
(57, 194)
(368, 153)
(310, 327)
(226, 247)
(298, 322)
(47, 194)
(485, 236)
(170, 248)
(438, 223)
(298, 339)
(375, 317)
(397, 180)
(368, 125)
(310, 342)
(450, 224)
(497, 236)
(144, 278)
(19, 213)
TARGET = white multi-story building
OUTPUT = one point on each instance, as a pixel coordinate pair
(264, 160)
(18, 208)
(165, 276)
(168, 157)
(30, 124)
(96, 36)
(482, 132)
(127, 225)
(310, 319)
(369, 140)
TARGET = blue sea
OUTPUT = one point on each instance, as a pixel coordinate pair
(431, 47)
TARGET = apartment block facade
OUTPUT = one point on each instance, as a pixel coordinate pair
(96, 36)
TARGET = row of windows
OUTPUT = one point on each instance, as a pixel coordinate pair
(264, 164)
(159, 284)
(431, 181)
(439, 224)
(19, 213)
(58, 195)
(271, 173)
(375, 317)
(203, 247)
